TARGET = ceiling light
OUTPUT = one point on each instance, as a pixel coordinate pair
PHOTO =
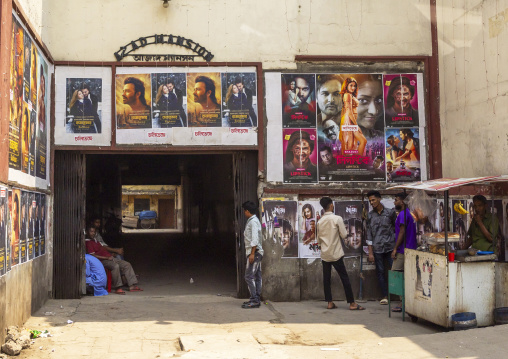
(165, 3)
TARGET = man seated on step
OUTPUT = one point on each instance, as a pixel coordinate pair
(116, 252)
(117, 266)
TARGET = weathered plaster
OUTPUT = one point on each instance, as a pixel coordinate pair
(272, 32)
(473, 87)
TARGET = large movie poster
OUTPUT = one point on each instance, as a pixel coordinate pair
(15, 208)
(298, 101)
(17, 94)
(42, 116)
(203, 99)
(309, 213)
(28, 105)
(401, 100)
(239, 99)
(403, 154)
(169, 100)
(84, 105)
(280, 222)
(133, 98)
(3, 229)
(350, 127)
(351, 213)
(299, 156)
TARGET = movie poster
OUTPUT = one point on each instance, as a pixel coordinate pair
(169, 100)
(496, 208)
(505, 227)
(403, 155)
(32, 101)
(239, 99)
(40, 222)
(309, 212)
(3, 229)
(280, 223)
(298, 101)
(27, 67)
(133, 98)
(15, 209)
(351, 213)
(16, 95)
(83, 105)
(32, 141)
(459, 224)
(300, 156)
(351, 142)
(42, 115)
(31, 225)
(203, 99)
(23, 219)
(401, 100)
(25, 123)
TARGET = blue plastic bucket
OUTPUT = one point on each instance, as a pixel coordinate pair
(463, 321)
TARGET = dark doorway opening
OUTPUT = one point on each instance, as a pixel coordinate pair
(204, 248)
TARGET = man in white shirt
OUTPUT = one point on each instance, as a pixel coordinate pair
(254, 251)
(330, 229)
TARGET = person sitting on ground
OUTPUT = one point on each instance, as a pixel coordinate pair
(116, 252)
(96, 279)
(117, 266)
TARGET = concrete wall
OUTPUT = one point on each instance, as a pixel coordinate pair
(272, 32)
(473, 86)
(35, 13)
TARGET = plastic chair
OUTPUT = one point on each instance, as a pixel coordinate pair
(396, 287)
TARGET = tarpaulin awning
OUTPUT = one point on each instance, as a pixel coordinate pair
(443, 184)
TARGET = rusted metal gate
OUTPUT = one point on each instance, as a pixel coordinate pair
(69, 222)
(245, 181)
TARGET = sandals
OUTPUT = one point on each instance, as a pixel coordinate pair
(136, 289)
(383, 301)
(332, 307)
(358, 307)
(397, 309)
(119, 291)
(250, 305)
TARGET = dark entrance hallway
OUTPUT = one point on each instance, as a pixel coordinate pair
(201, 247)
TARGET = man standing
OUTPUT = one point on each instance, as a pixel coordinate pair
(380, 239)
(254, 251)
(117, 266)
(482, 233)
(248, 93)
(330, 229)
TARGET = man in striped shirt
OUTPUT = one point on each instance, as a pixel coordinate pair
(254, 252)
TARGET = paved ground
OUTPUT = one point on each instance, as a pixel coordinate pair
(144, 325)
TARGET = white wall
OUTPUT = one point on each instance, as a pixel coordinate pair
(473, 69)
(270, 31)
(34, 11)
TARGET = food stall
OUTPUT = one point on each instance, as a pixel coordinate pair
(437, 285)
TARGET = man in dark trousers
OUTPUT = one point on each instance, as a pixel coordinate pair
(254, 251)
(330, 229)
(381, 239)
(248, 92)
(92, 102)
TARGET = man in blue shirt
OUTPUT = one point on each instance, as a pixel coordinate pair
(405, 226)
(254, 252)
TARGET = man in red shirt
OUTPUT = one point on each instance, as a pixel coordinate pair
(117, 266)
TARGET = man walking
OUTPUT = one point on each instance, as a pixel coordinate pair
(330, 229)
(381, 240)
(254, 251)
